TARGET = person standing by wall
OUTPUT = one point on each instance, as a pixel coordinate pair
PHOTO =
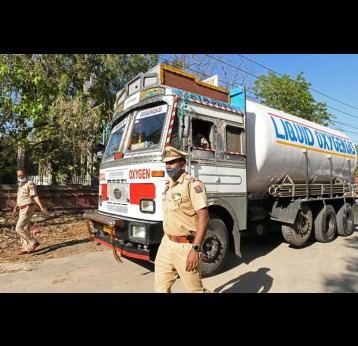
(26, 199)
(185, 219)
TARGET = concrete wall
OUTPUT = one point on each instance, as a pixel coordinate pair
(54, 198)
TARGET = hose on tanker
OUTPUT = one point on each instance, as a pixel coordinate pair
(91, 233)
(115, 254)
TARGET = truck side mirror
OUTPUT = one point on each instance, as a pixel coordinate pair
(186, 129)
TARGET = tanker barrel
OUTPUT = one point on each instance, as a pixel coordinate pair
(280, 145)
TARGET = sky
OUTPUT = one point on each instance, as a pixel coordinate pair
(333, 75)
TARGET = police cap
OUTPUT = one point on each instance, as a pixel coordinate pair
(171, 154)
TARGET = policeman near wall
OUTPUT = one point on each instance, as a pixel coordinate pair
(26, 199)
(185, 220)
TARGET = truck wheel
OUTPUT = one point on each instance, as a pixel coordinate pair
(325, 224)
(215, 247)
(345, 220)
(298, 233)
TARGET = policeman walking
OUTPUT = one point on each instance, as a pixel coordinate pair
(185, 219)
(26, 196)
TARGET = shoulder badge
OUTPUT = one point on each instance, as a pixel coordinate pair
(198, 189)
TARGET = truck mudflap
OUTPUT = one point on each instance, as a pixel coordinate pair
(124, 250)
(285, 210)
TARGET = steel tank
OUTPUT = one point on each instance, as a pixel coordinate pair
(280, 144)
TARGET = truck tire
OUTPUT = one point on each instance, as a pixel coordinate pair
(298, 233)
(325, 224)
(215, 247)
(345, 220)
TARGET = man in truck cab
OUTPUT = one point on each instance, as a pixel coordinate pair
(185, 220)
(200, 141)
(136, 139)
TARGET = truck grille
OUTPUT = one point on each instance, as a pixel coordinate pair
(117, 208)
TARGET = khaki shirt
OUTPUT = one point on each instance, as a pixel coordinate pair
(180, 201)
(25, 193)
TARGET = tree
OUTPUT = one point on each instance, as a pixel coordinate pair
(291, 96)
(48, 108)
(7, 161)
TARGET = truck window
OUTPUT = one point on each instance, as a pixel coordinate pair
(201, 134)
(115, 139)
(234, 140)
(174, 136)
(147, 128)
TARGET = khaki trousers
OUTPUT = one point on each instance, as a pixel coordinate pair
(23, 227)
(170, 264)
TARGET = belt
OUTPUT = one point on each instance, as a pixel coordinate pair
(24, 206)
(182, 239)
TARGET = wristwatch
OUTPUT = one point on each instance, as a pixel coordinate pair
(196, 248)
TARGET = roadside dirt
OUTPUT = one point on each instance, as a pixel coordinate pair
(59, 234)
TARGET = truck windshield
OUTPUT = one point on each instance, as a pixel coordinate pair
(147, 127)
(115, 139)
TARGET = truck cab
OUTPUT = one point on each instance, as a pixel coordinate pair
(156, 109)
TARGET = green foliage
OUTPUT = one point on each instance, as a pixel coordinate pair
(48, 108)
(7, 161)
(291, 96)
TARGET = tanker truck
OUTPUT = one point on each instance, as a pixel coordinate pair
(263, 169)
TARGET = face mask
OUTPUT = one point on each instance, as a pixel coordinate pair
(174, 173)
(21, 180)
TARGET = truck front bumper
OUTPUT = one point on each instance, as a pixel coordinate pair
(133, 252)
(115, 232)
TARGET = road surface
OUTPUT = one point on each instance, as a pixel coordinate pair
(267, 266)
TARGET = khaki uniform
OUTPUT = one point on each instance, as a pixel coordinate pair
(26, 204)
(180, 201)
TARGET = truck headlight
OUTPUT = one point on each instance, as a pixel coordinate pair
(137, 233)
(147, 206)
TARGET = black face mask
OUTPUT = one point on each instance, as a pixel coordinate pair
(174, 173)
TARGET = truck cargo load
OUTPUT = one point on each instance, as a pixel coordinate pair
(278, 145)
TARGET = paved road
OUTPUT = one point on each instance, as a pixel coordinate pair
(268, 265)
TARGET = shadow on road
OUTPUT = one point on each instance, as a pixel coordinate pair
(253, 247)
(250, 282)
(54, 247)
(145, 264)
(346, 282)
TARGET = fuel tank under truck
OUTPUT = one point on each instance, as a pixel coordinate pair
(277, 145)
